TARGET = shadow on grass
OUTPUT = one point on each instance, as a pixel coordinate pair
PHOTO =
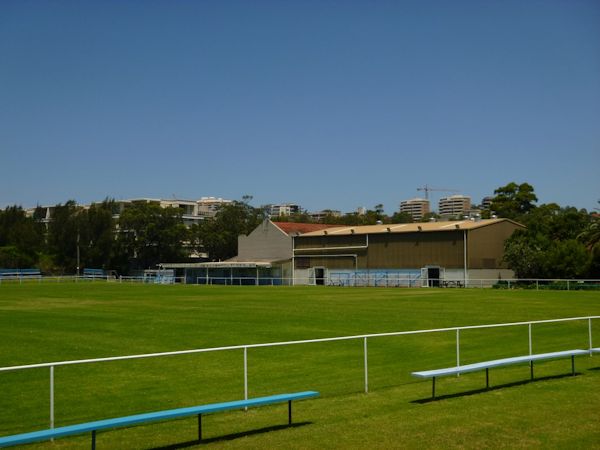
(230, 437)
(594, 368)
(494, 388)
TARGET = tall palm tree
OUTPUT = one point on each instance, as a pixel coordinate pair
(591, 235)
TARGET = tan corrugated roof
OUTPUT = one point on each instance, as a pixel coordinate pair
(301, 228)
(408, 227)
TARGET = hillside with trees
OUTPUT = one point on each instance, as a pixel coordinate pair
(559, 242)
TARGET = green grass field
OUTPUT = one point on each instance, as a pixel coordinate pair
(57, 322)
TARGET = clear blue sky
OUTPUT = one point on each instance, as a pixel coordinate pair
(329, 104)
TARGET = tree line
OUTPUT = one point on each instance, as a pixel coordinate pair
(559, 242)
(140, 236)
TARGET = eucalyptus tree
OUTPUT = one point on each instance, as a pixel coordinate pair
(149, 234)
(218, 236)
(514, 200)
(21, 238)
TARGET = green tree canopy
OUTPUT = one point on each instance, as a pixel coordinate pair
(98, 228)
(514, 200)
(150, 234)
(21, 238)
(553, 245)
(63, 235)
(219, 235)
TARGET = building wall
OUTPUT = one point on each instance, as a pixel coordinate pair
(488, 277)
(385, 251)
(410, 251)
(339, 252)
(265, 242)
(485, 245)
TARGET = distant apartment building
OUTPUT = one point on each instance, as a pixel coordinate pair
(454, 206)
(188, 208)
(192, 211)
(416, 207)
(318, 216)
(284, 209)
(208, 206)
(486, 203)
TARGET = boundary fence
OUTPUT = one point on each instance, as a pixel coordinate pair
(362, 281)
(405, 282)
(91, 279)
(365, 337)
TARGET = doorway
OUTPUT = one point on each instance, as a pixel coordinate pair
(319, 276)
(433, 276)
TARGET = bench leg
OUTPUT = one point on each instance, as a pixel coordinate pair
(433, 387)
(289, 412)
(199, 427)
(93, 439)
(487, 378)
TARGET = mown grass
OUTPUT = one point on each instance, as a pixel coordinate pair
(56, 322)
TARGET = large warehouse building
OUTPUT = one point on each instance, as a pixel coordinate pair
(264, 257)
(453, 253)
(415, 254)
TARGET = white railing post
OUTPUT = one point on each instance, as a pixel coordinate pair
(51, 396)
(246, 374)
(530, 341)
(458, 349)
(366, 368)
(590, 333)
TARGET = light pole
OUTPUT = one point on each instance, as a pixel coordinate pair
(78, 251)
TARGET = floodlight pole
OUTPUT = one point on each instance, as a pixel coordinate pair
(77, 251)
(293, 261)
(465, 256)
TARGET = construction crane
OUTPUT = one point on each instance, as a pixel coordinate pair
(428, 189)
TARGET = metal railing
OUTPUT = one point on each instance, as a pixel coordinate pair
(250, 281)
(364, 280)
(90, 279)
(244, 348)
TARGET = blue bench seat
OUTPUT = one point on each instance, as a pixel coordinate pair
(137, 419)
(17, 274)
(486, 365)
